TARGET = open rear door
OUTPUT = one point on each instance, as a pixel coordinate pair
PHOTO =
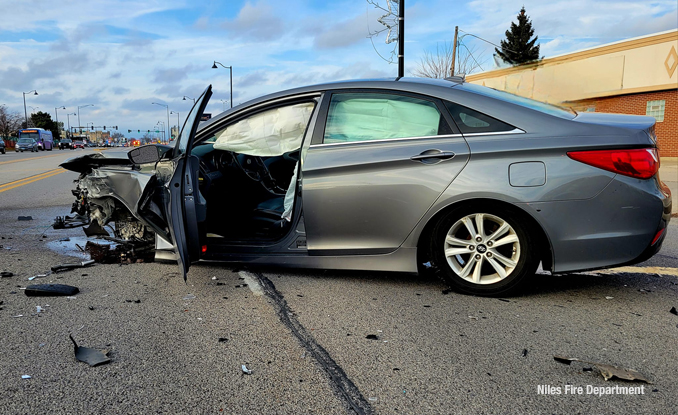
(185, 203)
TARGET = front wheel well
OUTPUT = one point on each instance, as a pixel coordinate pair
(424, 245)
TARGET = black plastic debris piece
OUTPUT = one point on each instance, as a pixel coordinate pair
(427, 306)
(395, 369)
(223, 339)
(372, 337)
(92, 357)
(6, 274)
(50, 290)
(504, 300)
(95, 229)
(68, 267)
(588, 369)
(25, 218)
(673, 311)
(524, 354)
(607, 371)
(220, 283)
(91, 307)
(133, 301)
(447, 291)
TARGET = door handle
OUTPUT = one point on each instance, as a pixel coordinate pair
(433, 155)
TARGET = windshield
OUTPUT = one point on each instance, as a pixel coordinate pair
(550, 109)
(25, 141)
(30, 135)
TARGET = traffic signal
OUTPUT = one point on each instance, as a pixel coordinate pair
(116, 128)
(129, 131)
(92, 127)
(138, 131)
(104, 127)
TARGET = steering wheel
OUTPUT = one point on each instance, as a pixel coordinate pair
(255, 168)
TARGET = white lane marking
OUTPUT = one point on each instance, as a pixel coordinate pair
(251, 282)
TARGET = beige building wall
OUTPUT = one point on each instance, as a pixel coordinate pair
(645, 64)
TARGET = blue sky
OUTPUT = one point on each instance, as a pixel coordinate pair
(123, 55)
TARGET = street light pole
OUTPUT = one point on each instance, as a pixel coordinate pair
(25, 112)
(68, 117)
(56, 112)
(192, 99)
(82, 106)
(167, 108)
(230, 71)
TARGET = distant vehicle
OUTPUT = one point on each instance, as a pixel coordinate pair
(65, 143)
(41, 136)
(2, 146)
(26, 144)
(78, 144)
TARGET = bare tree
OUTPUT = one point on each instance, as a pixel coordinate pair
(10, 123)
(437, 64)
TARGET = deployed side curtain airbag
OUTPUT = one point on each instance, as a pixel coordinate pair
(355, 118)
(267, 134)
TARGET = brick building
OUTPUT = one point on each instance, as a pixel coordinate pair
(636, 76)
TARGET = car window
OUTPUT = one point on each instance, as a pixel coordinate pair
(272, 132)
(470, 121)
(356, 117)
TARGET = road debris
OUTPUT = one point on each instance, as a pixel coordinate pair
(245, 370)
(6, 274)
(25, 376)
(18, 315)
(189, 297)
(372, 337)
(118, 251)
(68, 267)
(68, 222)
(673, 311)
(39, 309)
(609, 298)
(92, 357)
(223, 339)
(50, 290)
(37, 276)
(524, 354)
(25, 218)
(241, 285)
(608, 371)
(66, 239)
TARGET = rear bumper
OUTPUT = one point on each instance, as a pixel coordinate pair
(616, 227)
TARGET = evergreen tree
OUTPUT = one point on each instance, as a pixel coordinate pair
(518, 48)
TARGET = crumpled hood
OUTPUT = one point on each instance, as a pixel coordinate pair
(88, 162)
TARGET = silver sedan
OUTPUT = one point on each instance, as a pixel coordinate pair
(476, 185)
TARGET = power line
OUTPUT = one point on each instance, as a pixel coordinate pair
(487, 41)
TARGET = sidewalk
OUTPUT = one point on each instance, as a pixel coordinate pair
(668, 173)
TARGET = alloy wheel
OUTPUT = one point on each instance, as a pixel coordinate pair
(482, 248)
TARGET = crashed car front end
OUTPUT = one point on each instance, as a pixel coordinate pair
(110, 194)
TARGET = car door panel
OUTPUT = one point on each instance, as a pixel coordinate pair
(366, 197)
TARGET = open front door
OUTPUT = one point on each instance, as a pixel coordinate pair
(185, 205)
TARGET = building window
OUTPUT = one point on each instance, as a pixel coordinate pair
(656, 109)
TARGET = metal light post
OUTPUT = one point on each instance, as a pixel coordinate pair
(230, 71)
(33, 110)
(25, 112)
(175, 112)
(68, 117)
(56, 112)
(167, 108)
(192, 99)
(82, 106)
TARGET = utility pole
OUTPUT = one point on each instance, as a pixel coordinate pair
(454, 49)
(401, 38)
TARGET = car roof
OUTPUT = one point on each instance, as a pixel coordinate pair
(427, 86)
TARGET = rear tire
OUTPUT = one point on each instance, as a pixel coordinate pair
(483, 250)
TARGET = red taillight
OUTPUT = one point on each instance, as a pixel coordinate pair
(641, 163)
(204, 249)
(657, 236)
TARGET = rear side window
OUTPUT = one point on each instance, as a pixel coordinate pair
(355, 117)
(470, 121)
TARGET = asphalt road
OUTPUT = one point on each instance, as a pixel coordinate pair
(179, 347)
